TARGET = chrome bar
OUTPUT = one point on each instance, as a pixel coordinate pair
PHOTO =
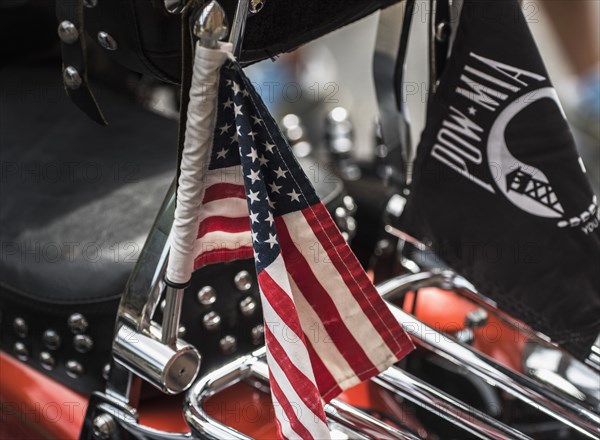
(254, 368)
(446, 406)
(538, 395)
(236, 36)
(171, 315)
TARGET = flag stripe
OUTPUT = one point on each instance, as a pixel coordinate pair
(231, 207)
(225, 224)
(327, 384)
(223, 255)
(355, 278)
(220, 191)
(284, 430)
(321, 302)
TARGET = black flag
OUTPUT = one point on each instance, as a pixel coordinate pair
(499, 190)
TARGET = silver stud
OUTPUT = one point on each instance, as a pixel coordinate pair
(104, 426)
(106, 371)
(107, 41)
(257, 334)
(51, 339)
(211, 321)
(47, 360)
(21, 351)
(243, 281)
(228, 344)
(90, 3)
(67, 32)
(21, 328)
(256, 6)
(476, 318)
(442, 31)
(181, 331)
(248, 306)
(71, 78)
(207, 296)
(83, 343)
(340, 213)
(349, 204)
(74, 369)
(77, 323)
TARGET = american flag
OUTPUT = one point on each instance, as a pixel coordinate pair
(326, 327)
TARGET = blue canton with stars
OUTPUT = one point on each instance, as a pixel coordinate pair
(247, 135)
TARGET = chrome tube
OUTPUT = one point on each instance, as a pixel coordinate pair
(538, 395)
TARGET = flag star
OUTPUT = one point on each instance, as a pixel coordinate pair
(257, 120)
(272, 240)
(280, 173)
(237, 109)
(269, 147)
(222, 153)
(228, 82)
(472, 111)
(225, 128)
(228, 103)
(294, 196)
(270, 219)
(253, 196)
(253, 154)
(271, 203)
(263, 160)
(254, 217)
(238, 129)
(256, 257)
(254, 236)
(245, 93)
(236, 88)
(252, 134)
(254, 176)
(234, 138)
(275, 188)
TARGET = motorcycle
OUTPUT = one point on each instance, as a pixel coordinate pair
(86, 321)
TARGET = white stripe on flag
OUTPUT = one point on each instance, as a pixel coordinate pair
(230, 208)
(231, 175)
(325, 271)
(222, 240)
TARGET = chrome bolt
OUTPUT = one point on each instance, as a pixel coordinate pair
(106, 371)
(83, 343)
(248, 306)
(21, 351)
(104, 426)
(47, 360)
(257, 334)
(21, 328)
(77, 323)
(71, 78)
(228, 344)
(207, 296)
(349, 204)
(476, 318)
(74, 369)
(51, 339)
(107, 41)
(181, 331)
(442, 31)
(211, 321)
(67, 32)
(243, 281)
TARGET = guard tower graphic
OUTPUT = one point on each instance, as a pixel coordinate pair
(524, 182)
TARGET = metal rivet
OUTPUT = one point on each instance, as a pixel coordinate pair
(67, 32)
(256, 6)
(181, 331)
(228, 344)
(90, 3)
(248, 306)
(47, 360)
(107, 41)
(243, 281)
(257, 334)
(21, 351)
(77, 323)
(349, 204)
(207, 296)
(466, 336)
(104, 426)
(71, 78)
(442, 31)
(51, 339)
(476, 318)
(83, 343)
(74, 369)
(21, 328)
(106, 371)
(211, 321)
(340, 213)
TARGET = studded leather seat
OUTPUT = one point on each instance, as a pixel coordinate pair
(77, 201)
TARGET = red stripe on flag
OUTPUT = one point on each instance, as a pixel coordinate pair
(356, 279)
(303, 386)
(295, 423)
(328, 386)
(322, 303)
(220, 191)
(223, 255)
(223, 224)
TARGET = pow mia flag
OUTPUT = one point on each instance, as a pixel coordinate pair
(499, 190)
